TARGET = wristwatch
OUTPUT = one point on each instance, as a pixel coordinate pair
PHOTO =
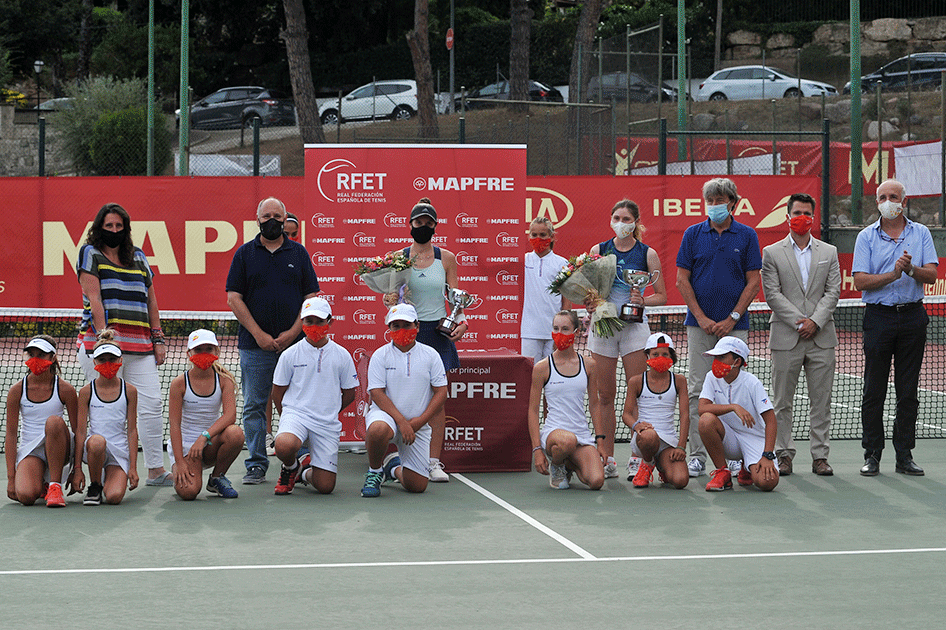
(768, 455)
(735, 316)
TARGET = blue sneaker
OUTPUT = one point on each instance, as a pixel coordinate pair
(391, 461)
(373, 482)
(221, 486)
(254, 476)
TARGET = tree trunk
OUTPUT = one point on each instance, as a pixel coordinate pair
(85, 41)
(584, 42)
(520, 20)
(420, 54)
(296, 37)
(719, 34)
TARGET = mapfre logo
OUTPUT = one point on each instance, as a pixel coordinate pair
(544, 202)
(465, 259)
(362, 316)
(339, 180)
(507, 279)
(395, 221)
(507, 317)
(321, 259)
(322, 221)
(504, 239)
(465, 220)
(360, 239)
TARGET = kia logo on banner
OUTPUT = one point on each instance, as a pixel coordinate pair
(360, 239)
(504, 239)
(507, 317)
(321, 221)
(362, 316)
(507, 279)
(466, 221)
(321, 259)
(544, 202)
(467, 260)
(395, 221)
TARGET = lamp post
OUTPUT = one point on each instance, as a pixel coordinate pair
(38, 67)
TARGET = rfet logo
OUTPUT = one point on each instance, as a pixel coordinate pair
(465, 259)
(321, 259)
(465, 220)
(340, 179)
(319, 220)
(475, 304)
(359, 280)
(387, 336)
(328, 297)
(395, 221)
(359, 354)
(360, 239)
(504, 316)
(362, 316)
(507, 279)
(504, 239)
(543, 202)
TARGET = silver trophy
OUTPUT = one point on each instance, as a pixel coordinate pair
(459, 300)
(639, 280)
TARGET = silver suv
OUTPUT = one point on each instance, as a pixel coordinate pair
(396, 100)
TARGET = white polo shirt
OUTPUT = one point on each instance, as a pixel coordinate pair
(316, 378)
(746, 391)
(538, 305)
(407, 377)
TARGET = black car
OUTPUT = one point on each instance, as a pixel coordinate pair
(922, 69)
(500, 92)
(235, 107)
(616, 85)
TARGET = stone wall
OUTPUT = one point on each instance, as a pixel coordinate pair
(19, 148)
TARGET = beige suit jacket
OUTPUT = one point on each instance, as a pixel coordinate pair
(789, 301)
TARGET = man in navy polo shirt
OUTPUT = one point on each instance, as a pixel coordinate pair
(269, 279)
(893, 259)
(718, 276)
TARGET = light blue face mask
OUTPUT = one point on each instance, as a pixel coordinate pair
(718, 214)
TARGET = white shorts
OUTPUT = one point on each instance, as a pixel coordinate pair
(537, 349)
(631, 338)
(584, 439)
(738, 446)
(414, 456)
(322, 446)
(664, 445)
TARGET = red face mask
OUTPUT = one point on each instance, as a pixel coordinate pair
(315, 333)
(720, 369)
(108, 370)
(660, 364)
(38, 365)
(403, 337)
(563, 341)
(801, 224)
(203, 360)
(540, 244)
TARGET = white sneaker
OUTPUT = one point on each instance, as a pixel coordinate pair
(696, 467)
(734, 466)
(610, 469)
(270, 445)
(558, 476)
(632, 465)
(436, 473)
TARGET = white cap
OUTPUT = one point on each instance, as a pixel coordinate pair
(107, 348)
(200, 337)
(316, 306)
(658, 340)
(402, 312)
(730, 344)
(41, 344)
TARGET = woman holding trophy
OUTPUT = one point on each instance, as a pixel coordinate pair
(638, 266)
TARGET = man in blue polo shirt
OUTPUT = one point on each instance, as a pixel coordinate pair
(718, 276)
(269, 279)
(893, 259)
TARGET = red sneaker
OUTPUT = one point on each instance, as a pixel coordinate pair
(644, 473)
(289, 478)
(45, 490)
(744, 477)
(720, 480)
(54, 496)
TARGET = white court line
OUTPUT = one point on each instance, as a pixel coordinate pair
(528, 519)
(439, 563)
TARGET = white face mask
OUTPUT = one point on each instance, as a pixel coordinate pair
(623, 230)
(889, 209)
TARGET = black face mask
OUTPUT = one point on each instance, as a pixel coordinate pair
(113, 239)
(271, 229)
(422, 233)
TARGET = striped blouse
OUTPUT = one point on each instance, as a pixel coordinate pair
(124, 297)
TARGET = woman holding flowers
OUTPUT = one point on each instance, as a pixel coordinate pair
(627, 343)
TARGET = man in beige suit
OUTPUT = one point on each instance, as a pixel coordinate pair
(801, 279)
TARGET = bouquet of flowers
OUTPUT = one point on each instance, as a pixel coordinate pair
(587, 279)
(386, 274)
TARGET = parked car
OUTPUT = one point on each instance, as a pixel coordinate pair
(921, 70)
(754, 82)
(396, 100)
(57, 104)
(500, 91)
(616, 85)
(235, 107)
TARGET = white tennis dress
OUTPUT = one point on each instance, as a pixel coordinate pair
(565, 397)
(33, 416)
(198, 413)
(109, 419)
(658, 409)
